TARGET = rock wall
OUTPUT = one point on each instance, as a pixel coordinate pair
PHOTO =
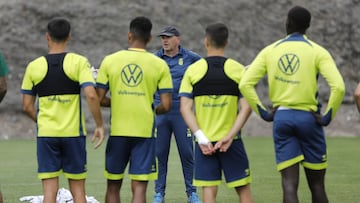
(100, 27)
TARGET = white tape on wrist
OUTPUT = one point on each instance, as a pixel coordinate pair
(201, 138)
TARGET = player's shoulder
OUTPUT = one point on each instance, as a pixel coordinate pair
(75, 59)
(154, 60)
(116, 54)
(73, 54)
(37, 61)
(200, 62)
(154, 57)
(157, 55)
(317, 46)
(317, 49)
(159, 63)
(37, 65)
(198, 66)
(232, 68)
(234, 63)
(273, 44)
(76, 56)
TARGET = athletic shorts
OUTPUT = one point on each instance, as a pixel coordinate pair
(61, 154)
(140, 152)
(298, 138)
(233, 163)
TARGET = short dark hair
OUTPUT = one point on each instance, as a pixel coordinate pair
(141, 27)
(59, 29)
(298, 20)
(217, 34)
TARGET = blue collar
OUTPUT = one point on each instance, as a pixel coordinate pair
(295, 37)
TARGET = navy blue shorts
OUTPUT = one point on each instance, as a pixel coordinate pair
(140, 152)
(61, 154)
(298, 138)
(233, 163)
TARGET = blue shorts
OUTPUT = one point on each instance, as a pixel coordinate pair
(61, 154)
(298, 138)
(140, 152)
(233, 163)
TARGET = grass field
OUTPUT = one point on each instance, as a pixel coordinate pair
(18, 173)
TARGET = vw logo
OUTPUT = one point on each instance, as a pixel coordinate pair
(289, 64)
(131, 75)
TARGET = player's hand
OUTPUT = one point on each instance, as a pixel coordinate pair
(267, 115)
(99, 135)
(322, 120)
(224, 144)
(207, 149)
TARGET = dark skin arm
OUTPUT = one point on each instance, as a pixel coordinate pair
(165, 104)
(104, 100)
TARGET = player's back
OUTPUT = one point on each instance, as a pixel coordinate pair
(134, 76)
(213, 84)
(57, 79)
(293, 65)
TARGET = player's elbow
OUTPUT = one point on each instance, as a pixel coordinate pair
(182, 110)
(92, 97)
(341, 90)
(242, 87)
(185, 110)
(27, 109)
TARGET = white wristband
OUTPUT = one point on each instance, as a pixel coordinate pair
(201, 138)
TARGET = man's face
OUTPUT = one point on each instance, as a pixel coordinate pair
(169, 43)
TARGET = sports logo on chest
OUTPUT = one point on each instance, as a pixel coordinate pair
(132, 75)
(289, 64)
(181, 61)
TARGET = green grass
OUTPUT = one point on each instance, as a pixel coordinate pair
(19, 178)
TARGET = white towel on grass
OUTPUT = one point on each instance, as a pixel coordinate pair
(63, 196)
